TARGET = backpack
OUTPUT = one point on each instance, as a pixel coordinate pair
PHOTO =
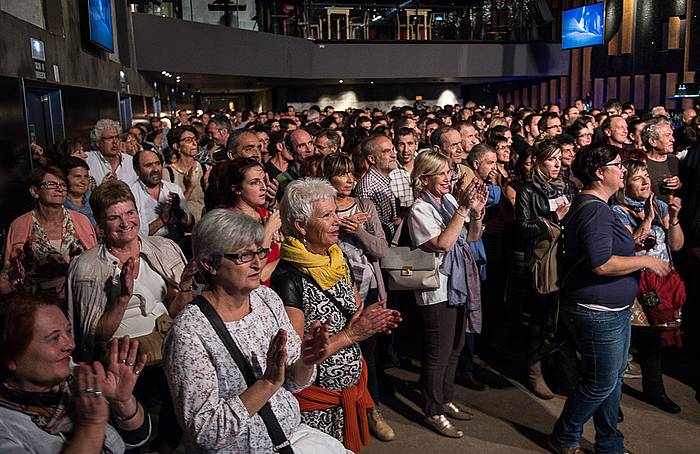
(544, 264)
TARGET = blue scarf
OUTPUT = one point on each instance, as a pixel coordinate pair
(463, 286)
(638, 207)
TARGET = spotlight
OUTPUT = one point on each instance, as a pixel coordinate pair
(340, 81)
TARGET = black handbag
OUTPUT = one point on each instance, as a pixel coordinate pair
(279, 440)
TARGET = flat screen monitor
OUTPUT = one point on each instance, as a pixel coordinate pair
(584, 26)
(100, 21)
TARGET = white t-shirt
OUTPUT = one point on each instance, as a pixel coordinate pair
(99, 167)
(146, 303)
(424, 224)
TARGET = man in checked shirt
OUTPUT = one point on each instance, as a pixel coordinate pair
(406, 144)
(375, 184)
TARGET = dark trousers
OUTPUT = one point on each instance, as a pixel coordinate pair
(649, 350)
(443, 327)
(369, 352)
(152, 389)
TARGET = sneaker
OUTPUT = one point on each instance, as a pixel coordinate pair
(633, 370)
(443, 426)
(561, 450)
(455, 412)
(378, 425)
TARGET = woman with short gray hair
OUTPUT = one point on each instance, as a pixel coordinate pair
(315, 283)
(212, 399)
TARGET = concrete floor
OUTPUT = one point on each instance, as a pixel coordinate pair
(509, 419)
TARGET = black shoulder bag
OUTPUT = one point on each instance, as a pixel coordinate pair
(279, 440)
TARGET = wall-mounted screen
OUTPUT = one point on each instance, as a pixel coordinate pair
(100, 21)
(584, 26)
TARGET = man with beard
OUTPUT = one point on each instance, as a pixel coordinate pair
(406, 144)
(375, 184)
(161, 204)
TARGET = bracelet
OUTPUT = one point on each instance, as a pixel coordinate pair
(673, 224)
(122, 418)
(184, 289)
(464, 216)
(478, 218)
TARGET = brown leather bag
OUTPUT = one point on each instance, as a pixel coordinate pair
(152, 344)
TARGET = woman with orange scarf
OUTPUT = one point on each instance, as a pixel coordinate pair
(314, 281)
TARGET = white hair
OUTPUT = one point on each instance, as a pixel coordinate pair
(220, 231)
(101, 125)
(299, 199)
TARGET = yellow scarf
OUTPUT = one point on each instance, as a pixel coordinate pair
(326, 270)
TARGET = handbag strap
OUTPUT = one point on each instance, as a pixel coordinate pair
(582, 257)
(279, 440)
(343, 310)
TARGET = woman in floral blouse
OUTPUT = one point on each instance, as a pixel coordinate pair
(216, 408)
(41, 243)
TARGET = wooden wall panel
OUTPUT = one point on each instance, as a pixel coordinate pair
(611, 91)
(544, 93)
(689, 77)
(613, 44)
(640, 91)
(627, 26)
(671, 81)
(674, 32)
(565, 100)
(534, 96)
(598, 92)
(526, 96)
(517, 100)
(625, 89)
(554, 91)
(586, 73)
(654, 90)
(575, 74)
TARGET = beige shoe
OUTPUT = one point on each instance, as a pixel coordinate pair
(378, 425)
(443, 426)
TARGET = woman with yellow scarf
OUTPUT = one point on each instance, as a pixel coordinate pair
(314, 281)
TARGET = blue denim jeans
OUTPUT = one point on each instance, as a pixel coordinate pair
(603, 340)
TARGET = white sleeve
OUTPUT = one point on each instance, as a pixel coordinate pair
(423, 223)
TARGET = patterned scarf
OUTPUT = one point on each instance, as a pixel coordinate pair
(49, 411)
(326, 270)
(552, 189)
(46, 261)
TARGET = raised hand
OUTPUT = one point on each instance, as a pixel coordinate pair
(276, 359)
(127, 277)
(367, 322)
(674, 207)
(91, 407)
(123, 369)
(315, 343)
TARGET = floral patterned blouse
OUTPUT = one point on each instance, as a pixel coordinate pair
(205, 382)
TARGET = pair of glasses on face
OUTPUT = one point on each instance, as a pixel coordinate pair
(620, 165)
(244, 257)
(53, 185)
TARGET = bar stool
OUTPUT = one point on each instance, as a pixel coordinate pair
(360, 22)
(336, 11)
(422, 19)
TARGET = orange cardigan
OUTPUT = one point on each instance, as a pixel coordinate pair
(355, 401)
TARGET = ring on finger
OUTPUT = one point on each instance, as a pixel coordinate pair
(130, 364)
(89, 390)
(97, 393)
(123, 361)
(137, 371)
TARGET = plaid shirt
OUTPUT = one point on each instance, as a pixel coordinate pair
(401, 186)
(376, 187)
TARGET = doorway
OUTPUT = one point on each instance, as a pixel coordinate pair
(44, 117)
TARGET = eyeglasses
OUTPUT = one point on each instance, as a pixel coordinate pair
(189, 140)
(620, 165)
(245, 257)
(110, 138)
(553, 127)
(53, 185)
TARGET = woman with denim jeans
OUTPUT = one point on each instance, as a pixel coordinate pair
(599, 258)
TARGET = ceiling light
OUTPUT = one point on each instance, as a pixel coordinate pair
(340, 81)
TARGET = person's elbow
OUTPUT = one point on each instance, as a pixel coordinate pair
(605, 269)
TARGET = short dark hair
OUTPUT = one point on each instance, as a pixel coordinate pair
(175, 134)
(590, 158)
(38, 174)
(235, 174)
(479, 152)
(222, 122)
(137, 158)
(235, 135)
(542, 123)
(565, 139)
(607, 123)
(72, 162)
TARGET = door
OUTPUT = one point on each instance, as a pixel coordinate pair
(44, 117)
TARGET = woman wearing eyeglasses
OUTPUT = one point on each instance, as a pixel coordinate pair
(218, 408)
(41, 243)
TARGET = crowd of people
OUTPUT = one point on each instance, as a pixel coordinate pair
(229, 270)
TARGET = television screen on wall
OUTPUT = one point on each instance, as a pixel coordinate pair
(584, 26)
(100, 23)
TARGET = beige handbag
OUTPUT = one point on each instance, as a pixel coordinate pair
(152, 344)
(409, 268)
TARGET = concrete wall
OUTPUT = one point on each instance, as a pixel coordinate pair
(218, 50)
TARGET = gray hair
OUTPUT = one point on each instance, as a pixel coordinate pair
(299, 199)
(651, 130)
(101, 125)
(220, 231)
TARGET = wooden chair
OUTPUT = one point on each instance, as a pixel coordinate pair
(361, 22)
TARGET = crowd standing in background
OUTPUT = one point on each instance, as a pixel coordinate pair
(244, 255)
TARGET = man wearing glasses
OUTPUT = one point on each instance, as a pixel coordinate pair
(106, 161)
(550, 125)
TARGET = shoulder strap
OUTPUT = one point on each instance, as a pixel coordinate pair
(346, 313)
(171, 173)
(279, 440)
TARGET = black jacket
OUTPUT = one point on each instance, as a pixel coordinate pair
(530, 203)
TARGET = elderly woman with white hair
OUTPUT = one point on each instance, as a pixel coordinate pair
(231, 385)
(315, 283)
(106, 159)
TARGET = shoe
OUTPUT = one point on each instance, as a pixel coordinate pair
(633, 370)
(441, 425)
(470, 382)
(620, 415)
(453, 411)
(663, 402)
(536, 382)
(378, 425)
(561, 450)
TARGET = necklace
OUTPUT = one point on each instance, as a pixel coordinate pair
(136, 259)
